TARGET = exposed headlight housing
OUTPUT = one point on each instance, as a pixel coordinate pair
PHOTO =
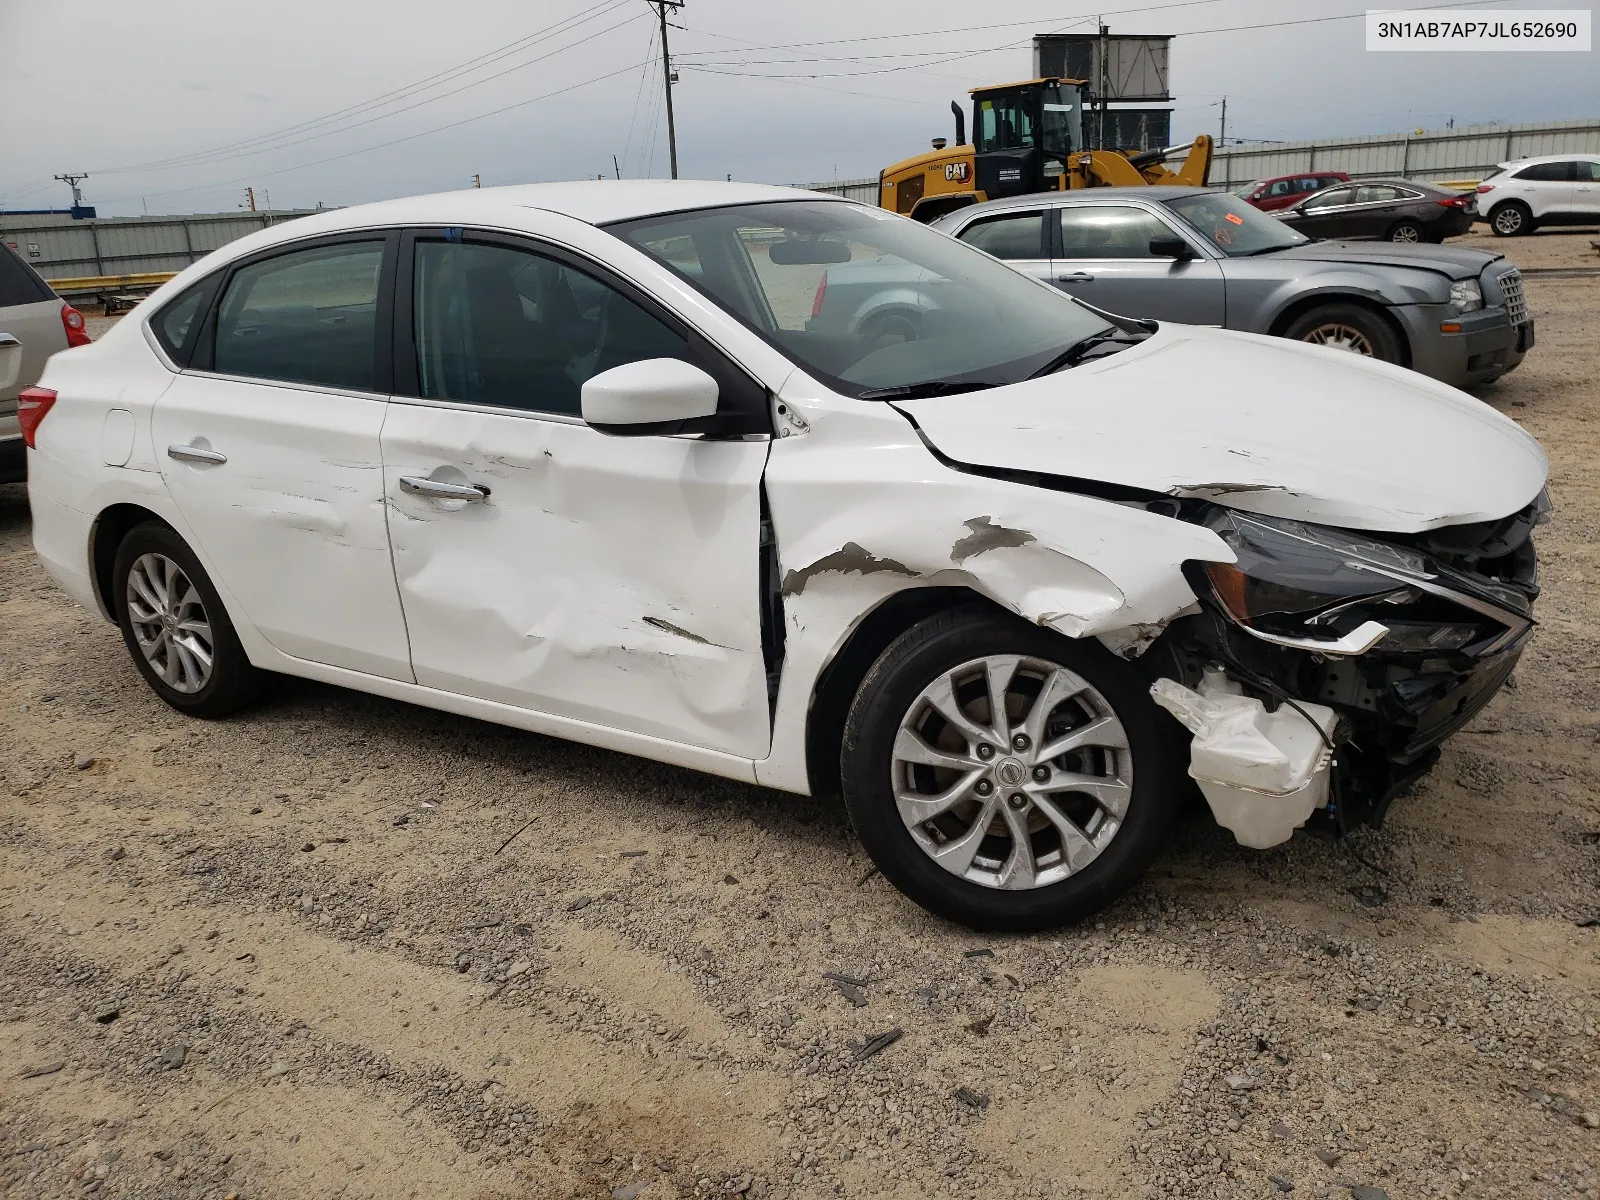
(1466, 296)
(1312, 588)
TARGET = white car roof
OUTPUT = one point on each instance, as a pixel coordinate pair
(1514, 163)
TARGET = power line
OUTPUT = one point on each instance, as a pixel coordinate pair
(392, 142)
(259, 143)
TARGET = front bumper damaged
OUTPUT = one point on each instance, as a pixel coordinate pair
(1374, 651)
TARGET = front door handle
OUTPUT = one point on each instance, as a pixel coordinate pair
(196, 454)
(437, 489)
(1076, 277)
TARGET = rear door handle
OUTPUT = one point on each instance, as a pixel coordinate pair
(196, 454)
(437, 489)
(1076, 277)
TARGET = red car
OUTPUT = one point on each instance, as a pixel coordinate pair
(1267, 194)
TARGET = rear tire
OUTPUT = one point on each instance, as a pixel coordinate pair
(175, 627)
(1513, 218)
(1406, 232)
(999, 858)
(1346, 326)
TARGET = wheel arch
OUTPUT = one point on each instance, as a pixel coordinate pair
(1298, 308)
(105, 535)
(840, 678)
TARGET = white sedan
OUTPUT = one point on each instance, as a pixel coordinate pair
(596, 460)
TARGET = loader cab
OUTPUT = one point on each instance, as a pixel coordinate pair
(1024, 134)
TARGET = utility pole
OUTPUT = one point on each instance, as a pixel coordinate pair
(1222, 134)
(249, 199)
(668, 78)
(477, 181)
(72, 181)
(616, 166)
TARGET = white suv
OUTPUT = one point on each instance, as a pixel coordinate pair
(1553, 189)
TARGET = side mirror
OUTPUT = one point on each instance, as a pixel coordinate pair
(10, 361)
(652, 396)
(808, 252)
(1171, 247)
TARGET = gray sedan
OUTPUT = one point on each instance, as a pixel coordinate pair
(1203, 257)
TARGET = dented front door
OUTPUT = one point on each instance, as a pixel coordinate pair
(611, 580)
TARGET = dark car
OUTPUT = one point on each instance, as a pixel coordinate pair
(1397, 210)
(1284, 190)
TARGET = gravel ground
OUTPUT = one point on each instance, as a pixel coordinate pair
(343, 947)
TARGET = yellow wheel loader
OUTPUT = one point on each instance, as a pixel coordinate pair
(1026, 137)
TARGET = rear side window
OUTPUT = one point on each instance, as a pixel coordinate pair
(19, 283)
(1016, 235)
(1551, 172)
(176, 325)
(308, 316)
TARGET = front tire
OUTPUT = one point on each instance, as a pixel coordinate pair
(175, 627)
(1029, 821)
(1347, 327)
(1511, 219)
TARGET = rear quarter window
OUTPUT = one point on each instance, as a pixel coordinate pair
(178, 322)
(20, 283)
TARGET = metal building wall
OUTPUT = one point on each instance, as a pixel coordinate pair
(1470, 152)
(60, 248)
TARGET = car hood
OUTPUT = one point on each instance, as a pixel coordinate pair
(1454, 262)
(1254, 423)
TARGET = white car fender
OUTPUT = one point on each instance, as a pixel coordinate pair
(862, 509)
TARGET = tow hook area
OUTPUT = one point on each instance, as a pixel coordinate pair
(1263, 774)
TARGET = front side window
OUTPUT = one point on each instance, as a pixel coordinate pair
(1235, 229)
(1281, 187)
(502, 326)
(1013, 236)
(1109, 231)
(308, 316)
(864, 300)
(1550, 172)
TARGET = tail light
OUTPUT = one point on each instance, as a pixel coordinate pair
(32, 404)
(822, 291)
(72, 322)
(1453, 202)
(1485, 187)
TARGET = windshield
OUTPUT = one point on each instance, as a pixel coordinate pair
(1232, 226)
(865, 300)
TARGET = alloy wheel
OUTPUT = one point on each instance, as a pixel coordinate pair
(1508, 220)
(1012, 772)
(169, 623)
(1340, 337)
(1406, 233)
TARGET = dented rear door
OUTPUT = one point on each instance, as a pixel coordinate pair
(611, 580)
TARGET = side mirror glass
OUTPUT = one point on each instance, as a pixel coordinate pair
(1170, 247)
(808, 252)
(10, 361)
(652, 396)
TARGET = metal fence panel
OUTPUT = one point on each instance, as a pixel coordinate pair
(863, 190)
(1470, 152)
(59, 248)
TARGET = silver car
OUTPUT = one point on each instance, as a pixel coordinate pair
(34, 324)
(1204, 257)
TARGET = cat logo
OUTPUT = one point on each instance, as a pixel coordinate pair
(957, 172)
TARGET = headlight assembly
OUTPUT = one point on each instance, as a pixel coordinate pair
(1318, 589)
(1466, 296)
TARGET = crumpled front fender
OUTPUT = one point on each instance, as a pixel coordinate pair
(862, 510)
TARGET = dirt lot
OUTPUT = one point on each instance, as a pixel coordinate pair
(306, 952)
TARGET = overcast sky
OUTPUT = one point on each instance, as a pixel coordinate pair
(106, 85)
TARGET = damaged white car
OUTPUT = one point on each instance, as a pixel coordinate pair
(608, 462)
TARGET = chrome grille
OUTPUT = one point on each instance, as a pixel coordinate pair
(1511, 296)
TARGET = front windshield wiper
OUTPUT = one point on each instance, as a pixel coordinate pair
(1084, 347)
(929, 387)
